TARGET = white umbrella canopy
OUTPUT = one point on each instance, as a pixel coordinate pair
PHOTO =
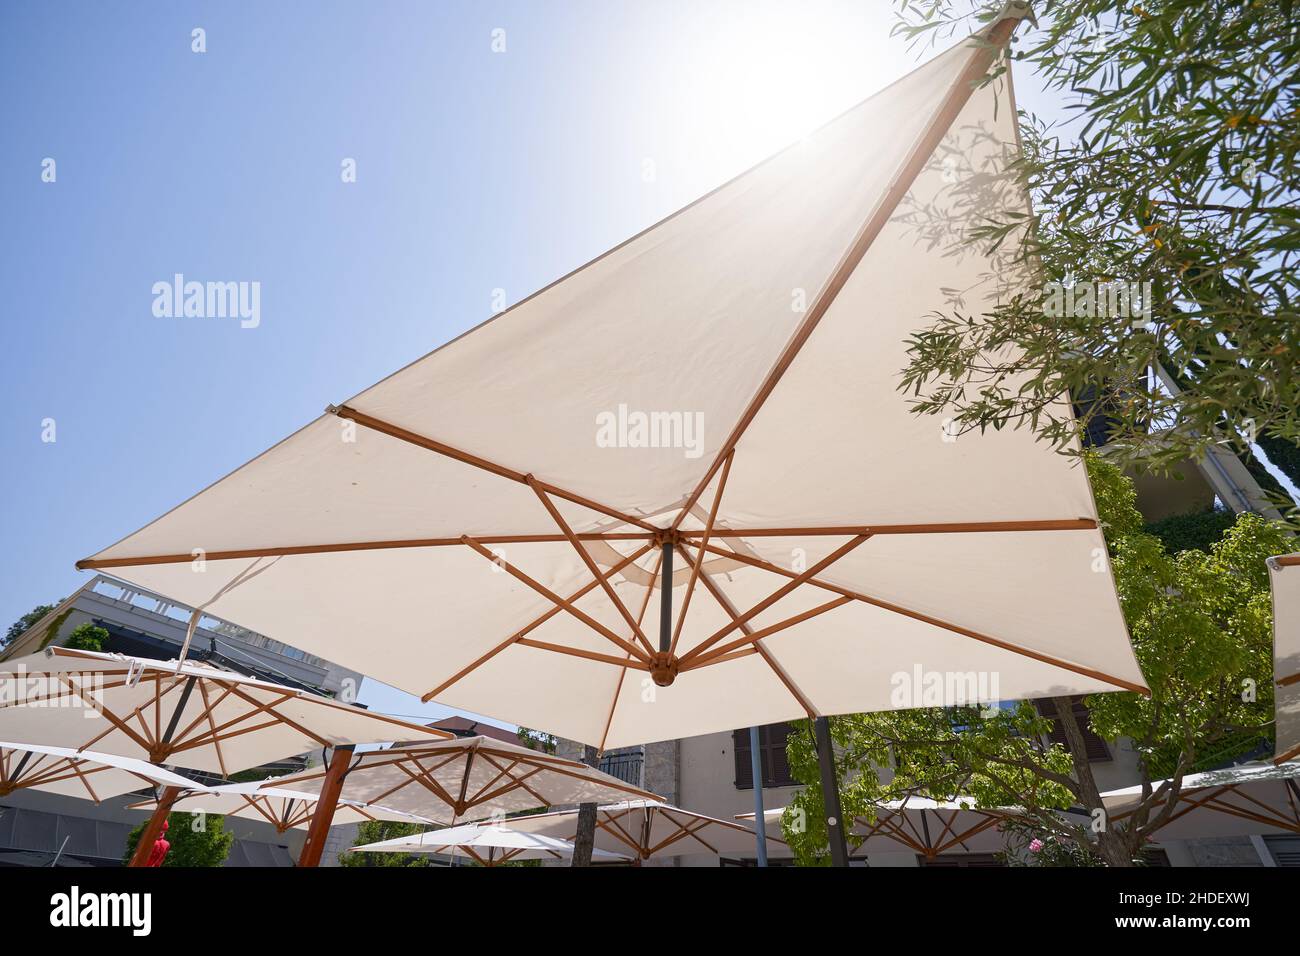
(652, 829)
(724, 384)
(490, 845)
(283, 809)
(1238, 801)
(921, 825)
(187, 715)
(465, 778)
(78, 773)
(1284, 575)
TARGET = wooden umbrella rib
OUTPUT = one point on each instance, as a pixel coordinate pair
(554, 610)
(1287, 755)
(699, 554)
(725, 603)
(981, 57)
(767, 631)
(501, 772)
(622, 674)
(111, 717)
(587, 560)
(775, 596)
(936, 622)
(556, 599)
(90, 564)
(585, 655)
(948, 527)
(484, 464)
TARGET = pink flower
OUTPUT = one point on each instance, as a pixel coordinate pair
(1035, 846)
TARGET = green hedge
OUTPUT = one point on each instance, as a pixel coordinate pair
(1197, 530)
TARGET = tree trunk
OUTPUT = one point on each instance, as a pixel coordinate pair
(1111, 846)
(585, 838)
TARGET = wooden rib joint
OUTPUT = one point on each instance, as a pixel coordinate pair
(664, 667)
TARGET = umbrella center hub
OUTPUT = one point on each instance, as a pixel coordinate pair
(664, 667)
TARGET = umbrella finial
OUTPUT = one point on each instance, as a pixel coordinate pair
(664, 667)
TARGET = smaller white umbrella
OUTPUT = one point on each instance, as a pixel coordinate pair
(1284, 575)
(1237, 801)
(651, 829)
(73, 773)
(185, 715)
(283, 809)
(466, 777)
(488, 844)
(922, 825)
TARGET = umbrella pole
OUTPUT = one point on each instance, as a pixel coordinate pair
(666, 599)
(756, 771)
(830, 793)
(149, 835)
(323, 815)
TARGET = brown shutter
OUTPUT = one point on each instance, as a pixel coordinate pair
(776, 767)
(1095, 747)
(744, 768)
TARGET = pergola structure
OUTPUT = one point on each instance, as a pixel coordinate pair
(1284, 575)
(78, 773)
(649, 829)
(541, 476)
(1243, 800)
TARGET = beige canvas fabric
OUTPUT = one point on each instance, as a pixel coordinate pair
(755, 338)
(283, 809)
(188, 715)
(72, 773)
(486, 844)
(1284, 575)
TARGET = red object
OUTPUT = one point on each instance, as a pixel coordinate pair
(160, 848)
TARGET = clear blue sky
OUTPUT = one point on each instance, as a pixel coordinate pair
(476, 170)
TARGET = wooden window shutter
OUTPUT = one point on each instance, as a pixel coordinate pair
(744, 768)
(1095, 747)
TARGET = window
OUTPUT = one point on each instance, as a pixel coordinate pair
(1096, 747)
(624, 765)
(775, 766)
(1284, 848)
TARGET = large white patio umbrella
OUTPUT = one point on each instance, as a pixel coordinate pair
(921, 825)
(651, 829)
(463, 779)
(709, 410)
(488, 844)
(1284, 575)
(79, 773)
(1238, 801)
(283, 809)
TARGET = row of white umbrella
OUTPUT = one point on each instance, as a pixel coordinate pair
(96, 725)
